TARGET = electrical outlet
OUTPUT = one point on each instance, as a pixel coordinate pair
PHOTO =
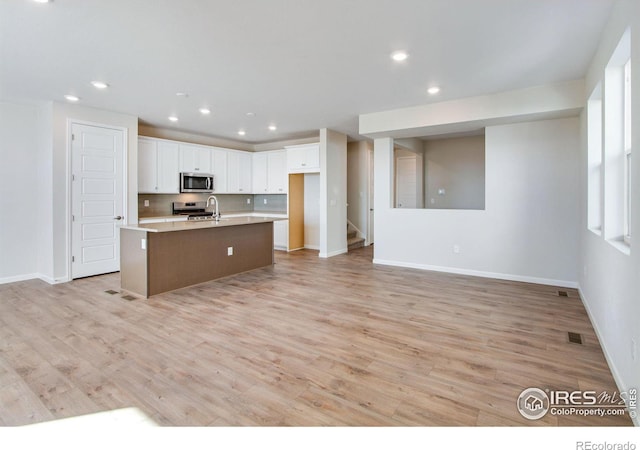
(456, 248)
(229, 251)
(248, 201)
(265, 201)
(146, 203)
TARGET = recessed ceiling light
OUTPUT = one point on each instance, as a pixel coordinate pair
(433, 90)
(251, 114)
(173, 118)
(41, 1)
(204, 111)
(241, 132)
(99, 84)
(182, 94)
(72, 98)
(273, 127)
(399, 56)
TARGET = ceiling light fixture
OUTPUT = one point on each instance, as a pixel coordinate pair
(272, 128)
(182, 94)
(41, 1)
(99, 84)
(433, 90)
(399, 56)
(242, 132)
(251, 114)
(72, 98)
(173, 118)
(204, 111)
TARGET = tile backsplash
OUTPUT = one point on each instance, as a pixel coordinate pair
(160, 204)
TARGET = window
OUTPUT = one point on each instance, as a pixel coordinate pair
(616, 102)
(627, 152)
(594, 156)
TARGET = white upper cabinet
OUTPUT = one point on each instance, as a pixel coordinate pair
(260, 176)
(270, 172)
(239, 174)
(277, 176)
(195, 158)
(158, 171)
(147, 166)
(219, 170)
(303, 158)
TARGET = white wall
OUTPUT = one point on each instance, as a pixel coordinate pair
(358, 185)
(609, 279)
(19, 179)
(527, 231)
(312, 211)
(333, 193)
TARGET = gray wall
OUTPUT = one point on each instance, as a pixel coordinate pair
(456, 165)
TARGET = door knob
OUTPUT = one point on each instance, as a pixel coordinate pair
(118, 218)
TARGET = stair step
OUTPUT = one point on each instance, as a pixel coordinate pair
(352, 234)
(355, 242)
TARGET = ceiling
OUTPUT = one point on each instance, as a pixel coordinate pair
(299, 64)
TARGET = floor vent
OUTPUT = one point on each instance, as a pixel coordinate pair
(563, 294)
(111, 292)
(575, 338)
(128, 297)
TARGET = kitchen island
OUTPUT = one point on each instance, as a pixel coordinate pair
(161, 257)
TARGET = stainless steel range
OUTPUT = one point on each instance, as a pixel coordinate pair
(193, 210)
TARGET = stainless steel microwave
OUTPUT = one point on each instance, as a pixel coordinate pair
(196, 182)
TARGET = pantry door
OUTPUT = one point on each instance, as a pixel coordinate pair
(97, 199)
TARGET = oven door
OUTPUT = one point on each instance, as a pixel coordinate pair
(196, 182)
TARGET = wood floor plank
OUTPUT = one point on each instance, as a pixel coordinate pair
(307, 342)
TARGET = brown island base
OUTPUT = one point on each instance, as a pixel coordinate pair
(162, 257)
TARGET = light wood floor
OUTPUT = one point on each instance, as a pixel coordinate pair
(306, 342)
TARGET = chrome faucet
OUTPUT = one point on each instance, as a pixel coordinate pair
(216, 214)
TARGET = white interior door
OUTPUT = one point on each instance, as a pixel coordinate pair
(97, 197)
(406, 182)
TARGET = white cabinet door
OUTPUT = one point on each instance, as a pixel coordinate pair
(168, 173)
(219, 170)
(303, 158)
(245, 173)
(277, 177)
(195, 158)
(281, 235)
(239, 172)
(260, 175)
(147, 166)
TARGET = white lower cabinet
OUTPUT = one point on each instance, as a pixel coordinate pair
(281, 235)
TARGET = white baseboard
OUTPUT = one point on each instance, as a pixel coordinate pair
(312, 247)
(16, 278)
(334, 253)
(607, 355)
(478, 273)
(31, 276)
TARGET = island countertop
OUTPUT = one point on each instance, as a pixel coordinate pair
(164, 227)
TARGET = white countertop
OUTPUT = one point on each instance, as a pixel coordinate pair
(226, 221)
